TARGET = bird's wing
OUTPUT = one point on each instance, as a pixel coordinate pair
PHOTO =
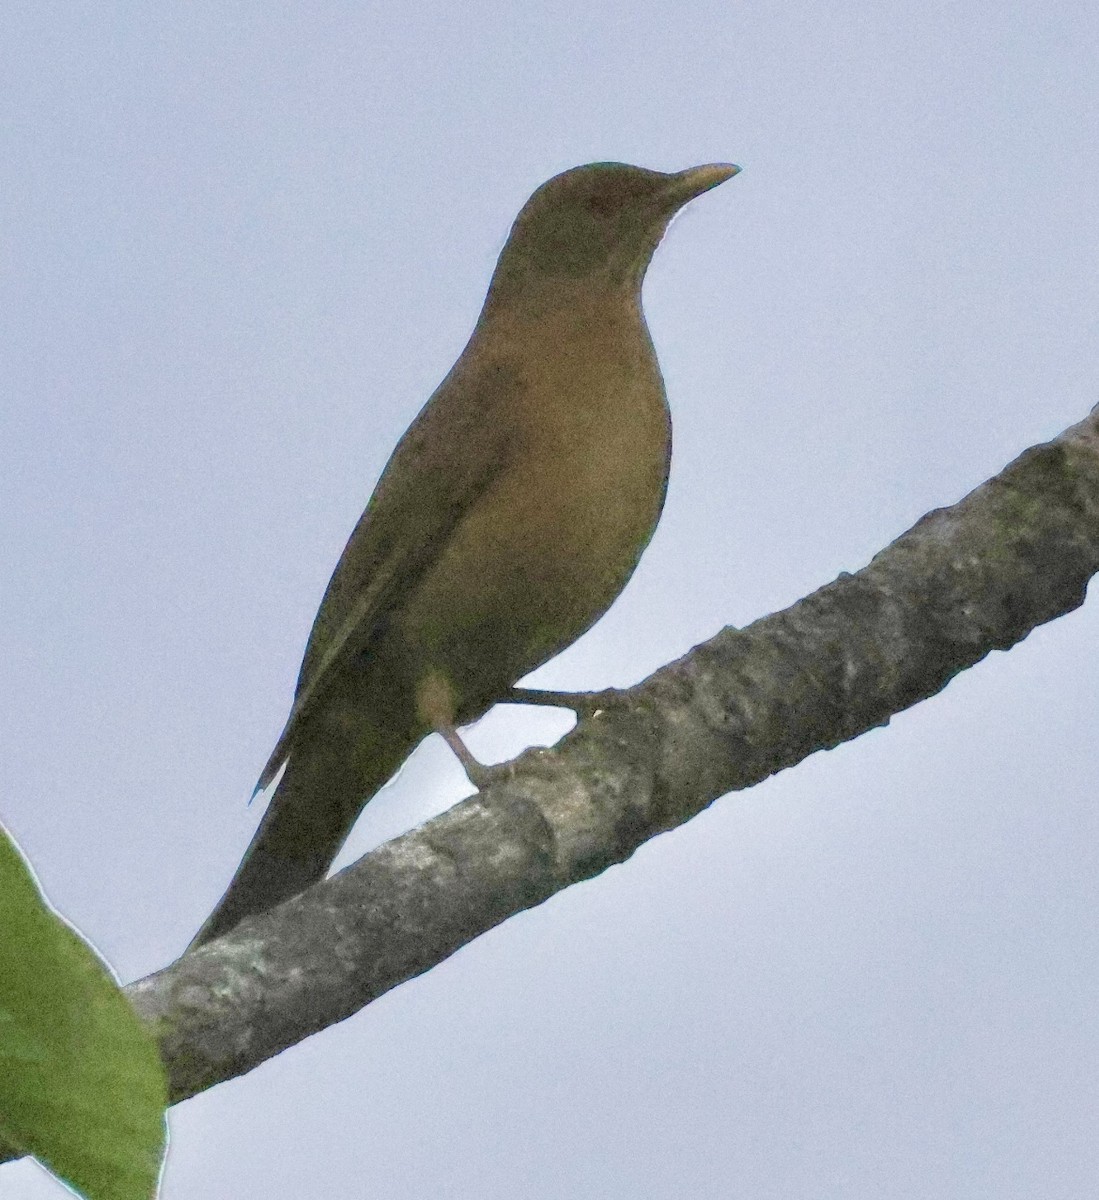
(458, 445)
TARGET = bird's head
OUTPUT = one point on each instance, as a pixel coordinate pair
(604, 220)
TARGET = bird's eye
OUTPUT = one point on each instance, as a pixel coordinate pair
(601, 204)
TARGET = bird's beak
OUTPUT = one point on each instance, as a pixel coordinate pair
(686, 185)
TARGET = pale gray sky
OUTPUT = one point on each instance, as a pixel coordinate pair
(241, 244)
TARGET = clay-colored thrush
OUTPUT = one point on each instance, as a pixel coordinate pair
(509, 517)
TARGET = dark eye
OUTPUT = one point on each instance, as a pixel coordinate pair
(602, 204)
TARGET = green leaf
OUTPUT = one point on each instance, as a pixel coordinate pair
(82, 1087)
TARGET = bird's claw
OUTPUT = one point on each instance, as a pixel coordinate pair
(480, 774)
(584, 704)
(484, 775)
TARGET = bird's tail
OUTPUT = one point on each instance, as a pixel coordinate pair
(325, 786)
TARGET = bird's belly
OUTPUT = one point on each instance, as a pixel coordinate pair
(540, 559)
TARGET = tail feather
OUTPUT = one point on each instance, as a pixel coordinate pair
(325, 786)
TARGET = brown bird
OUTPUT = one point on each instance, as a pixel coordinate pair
(509, 517)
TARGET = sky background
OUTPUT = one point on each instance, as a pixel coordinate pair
(240, 245)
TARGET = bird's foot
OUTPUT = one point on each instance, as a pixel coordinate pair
(480, 774)
(584, 704)
(483, 775)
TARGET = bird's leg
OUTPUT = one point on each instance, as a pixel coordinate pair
(479, 774)
(584, 704)
(436, 705)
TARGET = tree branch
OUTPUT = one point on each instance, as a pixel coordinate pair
(979, 576)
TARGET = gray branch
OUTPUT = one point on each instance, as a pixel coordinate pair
(965, 580)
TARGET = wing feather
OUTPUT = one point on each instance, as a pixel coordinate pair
(451, 454)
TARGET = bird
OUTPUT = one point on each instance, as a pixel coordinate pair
(507, 520)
